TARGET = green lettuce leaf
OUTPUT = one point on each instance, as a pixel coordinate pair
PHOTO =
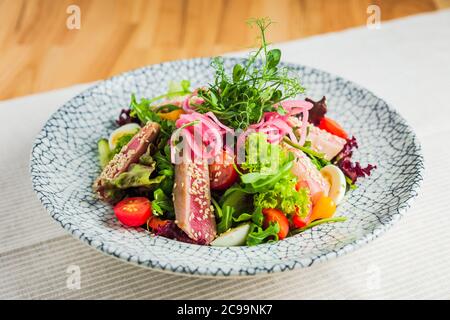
(242, 217)
(258, 235)
(145, 111)
(258, 217)
(225, 216)
(285, 197)
(261, 156)
(164, 167)
(265, 163)
(147, 160)
(226, 221)
(138, 175)
(261, 182)
(162, 204)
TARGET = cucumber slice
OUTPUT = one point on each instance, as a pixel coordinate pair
(103, 152)
(233, 237)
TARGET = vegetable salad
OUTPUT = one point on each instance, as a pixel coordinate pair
(243, 160)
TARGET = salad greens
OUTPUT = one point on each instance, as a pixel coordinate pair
(254, 87)
(138, 175)
(269, 185)
(274, 192)
(165, 168)
(162, 204)
(285, 197)
(262, 156)
(225, 215)
(143, 111)
(258, 235)
(154, 172)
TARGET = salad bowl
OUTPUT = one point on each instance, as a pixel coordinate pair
(64, 165)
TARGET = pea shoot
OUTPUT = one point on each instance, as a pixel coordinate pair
(253, 87)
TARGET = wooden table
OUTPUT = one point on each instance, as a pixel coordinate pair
(39, 52)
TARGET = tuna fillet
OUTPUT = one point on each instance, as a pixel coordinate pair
(192, 201)
(308, 175)
(325, 142)
(129, 154)
(321, 140)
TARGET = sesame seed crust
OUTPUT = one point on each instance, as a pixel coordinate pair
(128, 155)
(193, 205)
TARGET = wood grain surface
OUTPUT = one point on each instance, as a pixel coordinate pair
(38, 52)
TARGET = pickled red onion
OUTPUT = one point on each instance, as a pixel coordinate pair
(209, 129)
(212, 131)
(186, 105)
(294, 107)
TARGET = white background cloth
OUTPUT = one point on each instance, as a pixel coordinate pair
(406, 62)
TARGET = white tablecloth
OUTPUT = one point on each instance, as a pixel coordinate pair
(406, 62)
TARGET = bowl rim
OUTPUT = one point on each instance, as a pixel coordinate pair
(275, 267)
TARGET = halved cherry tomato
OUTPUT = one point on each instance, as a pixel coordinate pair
(299, 222)
(332, 127)
(155, 222)
(324, 208)
(275, 215)
(172, 115)
(133, 212)
(222, 173)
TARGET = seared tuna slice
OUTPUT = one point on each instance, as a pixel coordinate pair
(325, 142)
(308, 175)
(321, 140)
(129, 154)
(192, 201)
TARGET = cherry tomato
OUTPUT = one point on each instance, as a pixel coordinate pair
(324, 208)
(154, 223)
(275, 215)
(299, 222)
(222, 173)
(332, 127)
(133, 212)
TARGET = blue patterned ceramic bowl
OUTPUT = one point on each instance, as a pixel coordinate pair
(64, 165)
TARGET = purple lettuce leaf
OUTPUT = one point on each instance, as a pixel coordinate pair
(317, 112)
(125, 118)
(353, 170)
(170, 230)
